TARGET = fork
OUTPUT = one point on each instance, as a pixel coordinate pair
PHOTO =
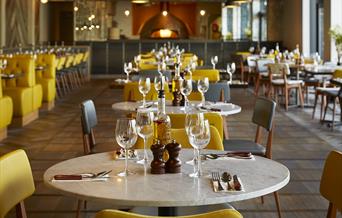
(216, 178)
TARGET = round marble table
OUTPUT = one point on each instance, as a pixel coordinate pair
(225, 108)
(259, 177)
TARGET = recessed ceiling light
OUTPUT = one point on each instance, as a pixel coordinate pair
(127, 12)
(43, 1)
(202, 12)
(75, 8)
(164, 13)
(140, 1)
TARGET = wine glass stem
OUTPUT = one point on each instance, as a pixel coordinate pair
(214, 66)
(203, 99)
(199, 170)
(126, 161)
(144, 100)
(127, 76)
(145, 150)
(186, 103)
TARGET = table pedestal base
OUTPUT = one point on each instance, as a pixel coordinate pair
(167, 211)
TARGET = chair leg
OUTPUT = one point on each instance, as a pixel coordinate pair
(225, 127)
(20, 210)
(286, 99)
(333, 116)
(325, 109)
(301, 97)
(262, 199)
(276, 197)
(314, 107)
(79, 205)
(332, 211)
(323, 102)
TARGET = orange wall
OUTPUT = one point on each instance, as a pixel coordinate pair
(185, 12)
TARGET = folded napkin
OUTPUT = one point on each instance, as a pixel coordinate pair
(225, 186)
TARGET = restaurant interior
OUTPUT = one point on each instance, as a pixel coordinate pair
(179, 108)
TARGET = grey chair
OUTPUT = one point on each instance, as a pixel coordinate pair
(262, 78)
(219, 91)
(88, 122)
(263, 116)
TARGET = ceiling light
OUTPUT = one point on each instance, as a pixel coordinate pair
(75, 8)
(92, 16)
(127, 13)
(202, 12)
(230, 4)
(164, 13)
(43, 1)
(242, 1)
(97, 26)
(139, 1)
(76, 28)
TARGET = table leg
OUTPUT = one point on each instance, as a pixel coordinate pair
(225, 127)
(167, 211)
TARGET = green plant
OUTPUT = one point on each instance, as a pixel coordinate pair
(336, 34)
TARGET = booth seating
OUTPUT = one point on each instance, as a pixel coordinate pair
(46, 77)
(84, 67)
(6, 112)
(25, 93)
(212, 74)
(131, 92)
(61, 80)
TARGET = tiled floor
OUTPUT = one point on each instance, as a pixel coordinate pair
(299, 142)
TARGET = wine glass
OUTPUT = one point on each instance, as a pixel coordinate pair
(186, 89)
(203, 86)
(158, 81)
(128, 69)
(126, 136)
(144, 88)
(145, 129)
(214, 61)
(230, 70)
(137, 60)
(199, 138)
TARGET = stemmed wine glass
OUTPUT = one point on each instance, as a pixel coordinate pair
(144, 88)
(186, 89)
(199, 138)
(145, 129)
(128, 69)
(126, 136)
(203, 86)
(230, 70)
(214, 61)
(137, 60)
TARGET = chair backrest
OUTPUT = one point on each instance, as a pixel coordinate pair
(131, 92)
(337, 74)
(218, 92)
(251, 61)
(16, 181)
(224, 213)
(88, 116)
(331, 182)
(264, 111)
(212, 74)
(278, 70)
(181, 137)
(215, 119)
(261, 64)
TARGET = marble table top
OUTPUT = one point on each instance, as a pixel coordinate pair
(259, 177)
(226, 108)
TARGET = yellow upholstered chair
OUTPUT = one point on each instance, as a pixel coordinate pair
(225, 213)
(215, 119)
(131, 92)
(47, 78)
(16, 182)
(6, 112)
(212, 74)
(25, 93)
(181, 137)
(146, 64)
(331, 182)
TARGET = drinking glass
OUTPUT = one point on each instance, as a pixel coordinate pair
(199, 138)
(128, 69)
(144, 88)
(203, 86)
(137, 60)
(126, 136)
(145, 129)
(230, 70)
(186, 89)
(214, 61)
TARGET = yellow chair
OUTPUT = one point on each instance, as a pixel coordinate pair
(6, 112)
(213, 75)
(225, 213)
(215, 119)
(181, 137)
(146, 64)
(16, 182)
(331, 182)
(25, 93)
(131, 92)
(47, 78)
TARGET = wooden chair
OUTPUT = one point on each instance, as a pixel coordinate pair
(278, 81)
(88, 122)
(225, 213)
(239, 60)
(263, 116)
(331, 188)
(16, 182)
(262, 75)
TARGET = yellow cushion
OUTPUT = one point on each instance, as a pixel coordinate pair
(224, 213)
(215, 119)
(131, 92)
(198, 74)
(49, 89)
(145, 64)
(48, 61)
(22, 100)
(331, 181)
(337, 74)
(16, 181)
(37, 96)
(6, 111)
(181, 137)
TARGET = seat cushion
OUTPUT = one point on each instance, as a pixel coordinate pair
(37, 96)
(22, 100)
(290, 82)
(6, 111)
(49, 89)
(243, 145)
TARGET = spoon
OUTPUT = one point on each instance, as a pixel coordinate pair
(226, 177)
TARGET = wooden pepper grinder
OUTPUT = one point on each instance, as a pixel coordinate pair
(157, 164)
(173, 165)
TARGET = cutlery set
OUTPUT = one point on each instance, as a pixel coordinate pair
(83, 176)
(237, 155)
(231, 183)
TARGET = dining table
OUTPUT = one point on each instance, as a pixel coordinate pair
(259, 176)
(223, 108)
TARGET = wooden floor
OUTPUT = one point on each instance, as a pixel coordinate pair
(299, 142)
